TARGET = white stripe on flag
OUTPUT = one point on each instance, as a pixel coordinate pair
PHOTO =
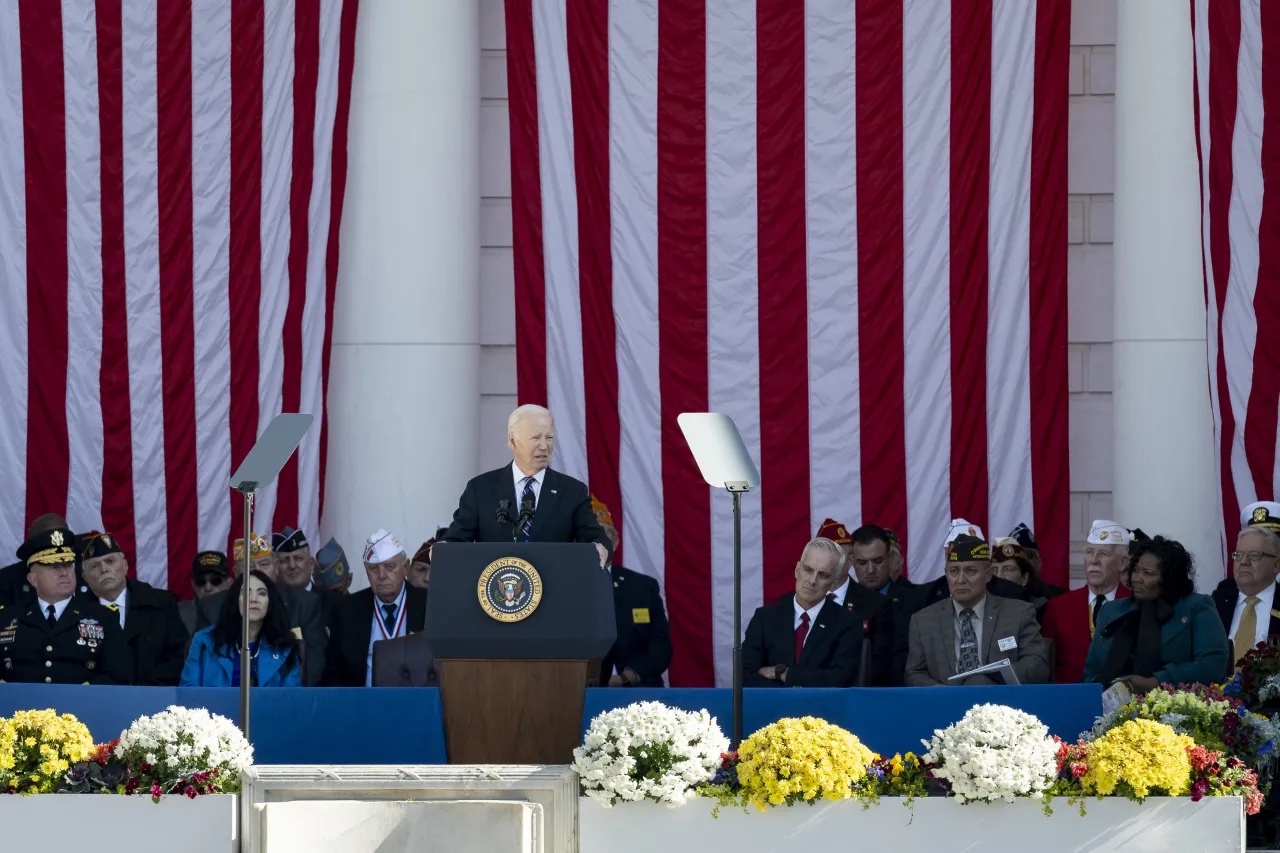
(13, 298)
(566, 388)
(84, 265)
(210, 235)
(1239, 324)
(277, 175)
(142, 289)
(1211, 301)
(633, 170)
(926, 279)
(1013, 74)
(733, 329)
(831, 206)
(311, 398)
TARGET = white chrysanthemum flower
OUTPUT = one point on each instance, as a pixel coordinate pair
(648, 751)
(994, 753)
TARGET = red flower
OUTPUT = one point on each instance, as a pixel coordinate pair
(190, 792)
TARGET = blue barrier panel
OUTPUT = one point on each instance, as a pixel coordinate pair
(887, 720)
(312, 725)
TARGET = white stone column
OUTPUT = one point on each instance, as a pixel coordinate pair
(404, 377)
(1164, 452)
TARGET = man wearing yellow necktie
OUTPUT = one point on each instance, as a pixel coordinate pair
(1246, 601)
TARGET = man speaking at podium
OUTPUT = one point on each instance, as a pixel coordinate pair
(526, 501)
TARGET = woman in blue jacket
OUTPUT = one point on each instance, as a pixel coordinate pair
(1165, 633)
(214, 659)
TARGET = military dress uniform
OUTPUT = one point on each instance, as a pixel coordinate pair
(84, 646)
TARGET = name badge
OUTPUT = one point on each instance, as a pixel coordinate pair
(640, 615)
(1008, 643)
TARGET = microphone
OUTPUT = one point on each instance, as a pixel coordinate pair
(504, 511)
(526, 515)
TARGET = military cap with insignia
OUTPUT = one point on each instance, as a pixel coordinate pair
(966, 549)
(95, 544)
(258, 547)
(1105, 532)
(288, 540)
(835, 531)
(51, 548)
(209, 563)
(1007, 549)
(1264, 514)
(331, 565)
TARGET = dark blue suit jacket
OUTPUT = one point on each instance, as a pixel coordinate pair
(564, 511)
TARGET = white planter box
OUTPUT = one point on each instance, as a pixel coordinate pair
(934, 824)
(106, 823)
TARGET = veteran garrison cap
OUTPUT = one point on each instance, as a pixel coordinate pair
(835, 531)
(51, 548)
(95, 544)
(965, 548)
(331, 565)
(1007, 548)
(288, 540)
(1024, 537)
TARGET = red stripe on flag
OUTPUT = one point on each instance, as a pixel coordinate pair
(783, 303)
(588, 41)
(682, 332)
(1050, 474)
(117, 430)
(245, 288)
(306, 71)
(44, 131)
(1264, 392)
(880, 264)
(526, 206)
(1224, 35)
(177, 318)
(970, 196)
(337, 189)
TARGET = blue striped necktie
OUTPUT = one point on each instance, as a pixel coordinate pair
(527, 497)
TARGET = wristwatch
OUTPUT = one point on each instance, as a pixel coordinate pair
(779, 671)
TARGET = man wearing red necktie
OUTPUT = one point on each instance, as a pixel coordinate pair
(804, 639)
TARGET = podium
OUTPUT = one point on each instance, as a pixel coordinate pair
(518, 630)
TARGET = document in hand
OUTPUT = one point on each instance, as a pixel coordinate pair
(1001, 669)
(1115, 696)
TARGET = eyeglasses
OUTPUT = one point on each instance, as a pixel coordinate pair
(1250, 556)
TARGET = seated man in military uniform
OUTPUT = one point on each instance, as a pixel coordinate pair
(54, 638)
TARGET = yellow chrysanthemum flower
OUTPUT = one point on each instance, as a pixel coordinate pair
(38, 747)
(800, 759)
(1144, 755)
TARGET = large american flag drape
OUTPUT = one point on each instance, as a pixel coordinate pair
(1237, 115)
(171, 181)
(841, 222)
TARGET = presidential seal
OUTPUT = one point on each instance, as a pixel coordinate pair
(510, 589)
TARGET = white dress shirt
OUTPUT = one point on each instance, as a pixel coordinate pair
(1266, 600)
(813, 616)
(979, 612)
(58, 607)
(520, 477)
(119, 602)
(378, 630)
(841, 591)
(1093, 596)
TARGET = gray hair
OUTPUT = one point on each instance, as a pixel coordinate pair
(525, 411)
(1273, 539)
(824, 546)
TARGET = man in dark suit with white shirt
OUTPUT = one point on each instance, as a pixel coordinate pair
(526, 501)
(804, 639)
(1247, 602)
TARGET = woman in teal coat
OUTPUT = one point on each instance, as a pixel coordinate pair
(274, 659)
(1165, 633)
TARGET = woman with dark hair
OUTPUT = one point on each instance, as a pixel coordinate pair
(214, 659)
(1164, 633)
